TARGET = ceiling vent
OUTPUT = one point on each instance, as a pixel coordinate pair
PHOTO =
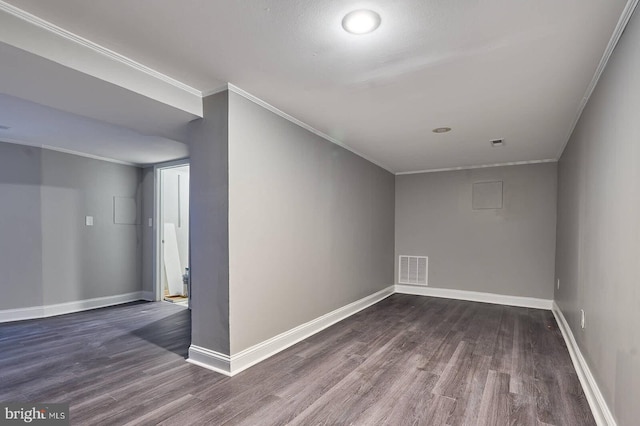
(497, 142)
(413, 270)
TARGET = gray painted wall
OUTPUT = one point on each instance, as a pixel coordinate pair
(54, 257)
(506, 251)
(83, 262)
(310, 225)
(20, 227)
(148, 234)
(208, 146)
(599, 230)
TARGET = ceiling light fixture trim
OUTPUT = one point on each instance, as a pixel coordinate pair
(361, 21)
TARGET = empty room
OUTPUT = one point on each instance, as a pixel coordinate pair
(263, 212)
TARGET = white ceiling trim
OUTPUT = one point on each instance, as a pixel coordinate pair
(39, 22)
(615, 37)
(178, 86)
(268, 106)
(94, 157)
(216, 90)
(483, 166)
(39, 37)
(68, 151)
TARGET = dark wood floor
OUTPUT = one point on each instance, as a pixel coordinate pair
(407, 360)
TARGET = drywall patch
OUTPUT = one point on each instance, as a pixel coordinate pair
(124, 211)
(487, 195)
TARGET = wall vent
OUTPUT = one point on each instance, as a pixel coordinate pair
(413, 270)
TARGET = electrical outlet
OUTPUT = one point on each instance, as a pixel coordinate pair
(88, 221)
(558, 283)
(582, 319)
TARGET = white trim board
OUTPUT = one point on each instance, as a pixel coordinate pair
(482, 166)
(475, 296)
(149, 296)
(68, 151)
(599, 407)
(234, 364)
(211, 360)
(215, 90)
(33, 312)
(86, 49)
(279, 112)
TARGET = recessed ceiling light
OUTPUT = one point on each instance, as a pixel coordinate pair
(441, 130)
(497, 142)
(361, 21)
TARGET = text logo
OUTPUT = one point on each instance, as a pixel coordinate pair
(34, 414)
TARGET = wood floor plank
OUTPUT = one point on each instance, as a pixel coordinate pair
(503, 349)
(408, 402)
(494, 408)
(468, 405)
(407, 360)
(522, 409)
(453, 381)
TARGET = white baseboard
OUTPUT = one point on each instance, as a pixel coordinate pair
(33, 312)
(253, 355)
(234, 364)
(20, 314)
(209, 359)
(149, 296)
(475, 296)
(599, 407)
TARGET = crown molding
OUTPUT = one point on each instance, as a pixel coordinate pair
(59, 47)
(93, 157)
(482, 166)
(218, 89)
(68, 151)
(61, 32)
(613, 41)
(134, 65)
(268, 106)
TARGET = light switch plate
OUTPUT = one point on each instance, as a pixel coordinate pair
(150, 222)
(89, 221)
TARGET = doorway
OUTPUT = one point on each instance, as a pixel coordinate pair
(172, 275)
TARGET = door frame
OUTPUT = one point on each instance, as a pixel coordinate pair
(157, 220)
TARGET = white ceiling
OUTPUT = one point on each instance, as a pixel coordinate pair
(503, 69)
